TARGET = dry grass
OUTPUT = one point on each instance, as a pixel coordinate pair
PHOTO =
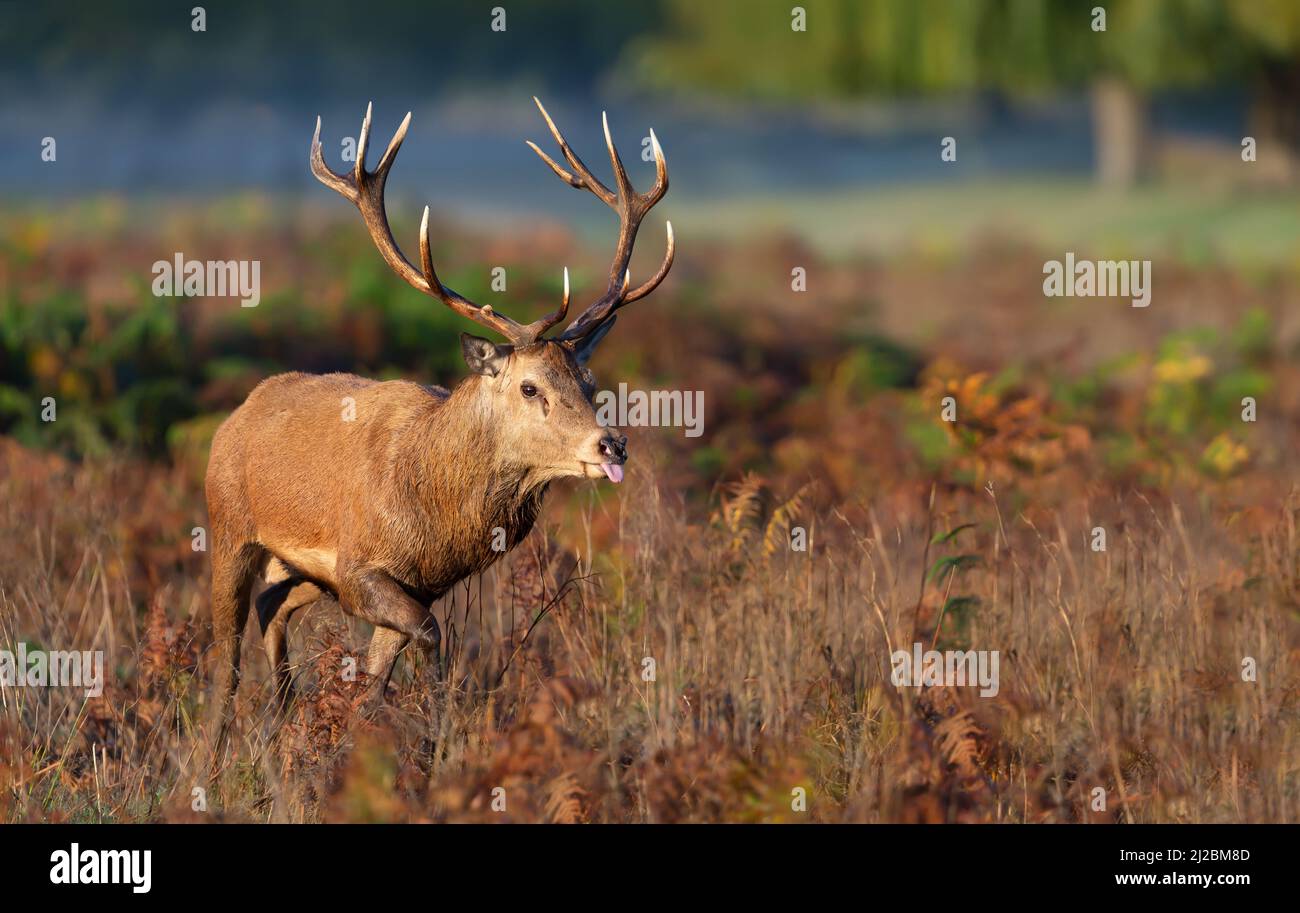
(1119, 669)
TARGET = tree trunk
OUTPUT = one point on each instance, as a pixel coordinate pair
(1274, 121)
(1119, 127)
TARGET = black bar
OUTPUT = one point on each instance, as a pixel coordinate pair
(306, 862)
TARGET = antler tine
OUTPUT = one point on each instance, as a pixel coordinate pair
(484, 315)
(652, 283)
(386, 160)
(661, 175)
(363, 143)
(366, 190)
(625, 191)
(564, 175)
(542, 324)
(584, 175)
(595, 316)
(326, 175)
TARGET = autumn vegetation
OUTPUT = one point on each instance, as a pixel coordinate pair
(1120, 669)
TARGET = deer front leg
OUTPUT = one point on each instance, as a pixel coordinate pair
(374, 596)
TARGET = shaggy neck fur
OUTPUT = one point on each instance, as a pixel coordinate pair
(451, 463)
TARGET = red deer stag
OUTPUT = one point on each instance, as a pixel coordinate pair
(387, 511)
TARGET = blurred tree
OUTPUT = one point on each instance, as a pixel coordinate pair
(850, 48)
(1145, 45)
(1269, 33)
(854, 48)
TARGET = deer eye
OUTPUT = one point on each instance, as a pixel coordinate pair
(528, 390)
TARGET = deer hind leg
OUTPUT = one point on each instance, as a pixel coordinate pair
(385, 647)
(234, 567)
(373, 596)
(286, 594)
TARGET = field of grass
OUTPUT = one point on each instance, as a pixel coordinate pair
(1120, 669)
(1189, 221)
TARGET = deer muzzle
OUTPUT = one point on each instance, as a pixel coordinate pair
(614, 450)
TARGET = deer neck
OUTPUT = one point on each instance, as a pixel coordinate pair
(459, 466)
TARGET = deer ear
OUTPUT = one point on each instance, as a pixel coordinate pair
(484, 356)
(583, 348)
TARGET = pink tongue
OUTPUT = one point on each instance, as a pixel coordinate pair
(614, 471)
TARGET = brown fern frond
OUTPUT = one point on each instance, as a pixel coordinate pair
(958, 739)
(776, 535)
(741, 509)
(564, 800)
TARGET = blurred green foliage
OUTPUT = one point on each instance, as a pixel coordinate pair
(146, 373)
(737, 47)
(874, 363)
(853, 48)
(126, 380)
(1200, 380)
(295, 49)
(1195, 384)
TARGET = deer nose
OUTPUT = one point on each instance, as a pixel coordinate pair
(614, 447)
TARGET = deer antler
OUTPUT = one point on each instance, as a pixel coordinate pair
(366, 190)
(631, 208)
